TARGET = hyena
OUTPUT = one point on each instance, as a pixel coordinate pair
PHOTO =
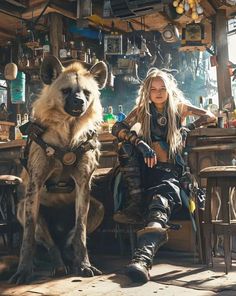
(63, 152)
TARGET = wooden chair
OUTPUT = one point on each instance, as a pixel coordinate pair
(8, 199)
(222, 178)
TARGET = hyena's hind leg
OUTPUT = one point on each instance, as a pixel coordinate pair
(43, 237)
(95, 216)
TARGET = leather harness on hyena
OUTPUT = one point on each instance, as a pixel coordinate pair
(62, 153)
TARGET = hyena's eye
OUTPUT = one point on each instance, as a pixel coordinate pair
(66, 91)
(87, 93)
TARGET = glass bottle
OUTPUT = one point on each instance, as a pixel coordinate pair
(201, 102)
(18, 134)
(233, 161)
(121, 115)
(82, 52)
(88, 56)
(110, 118)
(74, 53)
(25, 119)
(212, 107)
(63, 51)
(94, 59)
(68, 54)
(220, 119)
(46, 46)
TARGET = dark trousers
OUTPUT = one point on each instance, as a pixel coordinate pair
(162, 192)
(160, 185)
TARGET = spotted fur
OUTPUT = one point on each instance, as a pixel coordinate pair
(61, 130)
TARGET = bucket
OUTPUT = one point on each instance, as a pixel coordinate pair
(18, 89)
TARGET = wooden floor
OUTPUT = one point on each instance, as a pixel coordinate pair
(172, 274)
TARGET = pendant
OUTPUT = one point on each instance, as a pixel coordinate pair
(69, 158)
(162, 121)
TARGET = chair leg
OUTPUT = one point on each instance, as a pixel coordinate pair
(208, 246)
(199, 237)
(227, 252)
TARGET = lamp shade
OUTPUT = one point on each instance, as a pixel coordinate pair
(10, 71)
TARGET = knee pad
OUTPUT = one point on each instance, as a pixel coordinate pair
(159, 202)
(158, 216)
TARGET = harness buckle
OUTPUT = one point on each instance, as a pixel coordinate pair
(69, 158)
(50, 151)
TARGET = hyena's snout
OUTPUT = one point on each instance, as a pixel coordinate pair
(76, 103)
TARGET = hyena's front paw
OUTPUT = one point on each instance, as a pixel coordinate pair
(59, 268)
(23, 275)
(59, 271)
(86, 270)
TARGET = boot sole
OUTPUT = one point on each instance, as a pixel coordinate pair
(137, 274)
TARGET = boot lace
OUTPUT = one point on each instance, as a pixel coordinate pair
(143, 256)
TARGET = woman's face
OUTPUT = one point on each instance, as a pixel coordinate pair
(158, 92)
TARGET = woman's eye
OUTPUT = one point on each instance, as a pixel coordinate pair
(66, 91)
(87, 93)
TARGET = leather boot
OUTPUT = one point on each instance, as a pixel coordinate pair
(149, 240)
(132, 213)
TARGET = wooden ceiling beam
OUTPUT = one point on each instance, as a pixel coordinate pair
(16, 3)
(52, 7)
(154, 22)
(10, 12)
(5, 34)
(208, 8)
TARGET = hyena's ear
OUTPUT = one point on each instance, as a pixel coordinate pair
(50, 69)
(100, 72)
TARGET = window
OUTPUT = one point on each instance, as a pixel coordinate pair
(3, 91)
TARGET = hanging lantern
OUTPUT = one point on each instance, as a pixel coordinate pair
(191, 7)
(18, 89)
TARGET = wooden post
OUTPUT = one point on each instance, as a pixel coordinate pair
(223, 77)
(56, 31)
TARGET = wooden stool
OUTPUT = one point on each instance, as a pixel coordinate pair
(224, 178)
(8, 199)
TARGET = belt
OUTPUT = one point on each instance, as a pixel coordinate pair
(168, 167)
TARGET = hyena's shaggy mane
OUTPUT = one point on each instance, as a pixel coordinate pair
(48, 109)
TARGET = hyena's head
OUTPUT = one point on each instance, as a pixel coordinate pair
(71, 91)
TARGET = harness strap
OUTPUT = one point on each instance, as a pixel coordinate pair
(67, 156)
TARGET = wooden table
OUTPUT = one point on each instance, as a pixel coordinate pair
(10, 153)
(12, 150)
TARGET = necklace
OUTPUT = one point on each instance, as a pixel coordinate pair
(161, 117)
(162, 120)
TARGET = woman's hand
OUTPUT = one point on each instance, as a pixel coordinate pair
(149, 155)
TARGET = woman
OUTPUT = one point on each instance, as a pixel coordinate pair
(151, 163)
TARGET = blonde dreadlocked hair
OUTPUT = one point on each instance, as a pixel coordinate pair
(175, 96)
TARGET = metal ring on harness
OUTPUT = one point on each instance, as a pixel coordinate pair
(69, 158)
